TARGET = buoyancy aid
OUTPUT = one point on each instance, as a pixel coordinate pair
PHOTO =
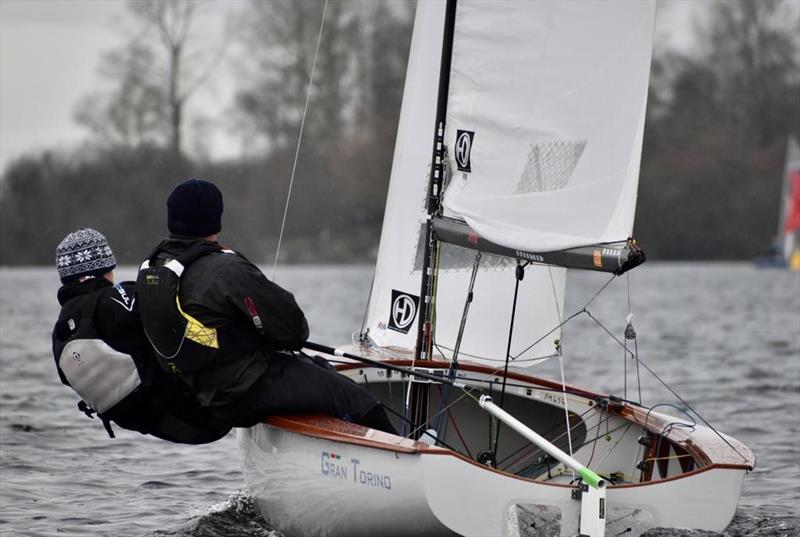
(182, 343)
(100, 375)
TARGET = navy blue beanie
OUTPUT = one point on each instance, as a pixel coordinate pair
(194, 209)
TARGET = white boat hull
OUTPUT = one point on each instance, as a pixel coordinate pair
(298, 495)
(317, 476)
(440, 495)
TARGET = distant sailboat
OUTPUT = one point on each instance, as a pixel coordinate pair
(786, 247)
(538, 113)
(789, 230)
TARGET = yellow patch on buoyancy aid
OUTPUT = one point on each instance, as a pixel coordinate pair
(196, 331)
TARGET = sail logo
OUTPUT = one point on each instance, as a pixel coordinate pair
(463, 150)
(528, 256)
(403, 311)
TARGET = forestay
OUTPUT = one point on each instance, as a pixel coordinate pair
(545, 120)
(394, 306)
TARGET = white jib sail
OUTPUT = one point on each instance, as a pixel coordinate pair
(545, 119)
(393, 312)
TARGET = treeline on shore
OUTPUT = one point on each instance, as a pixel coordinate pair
(712, 160)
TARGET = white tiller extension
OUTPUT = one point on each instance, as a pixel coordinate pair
(593, 487)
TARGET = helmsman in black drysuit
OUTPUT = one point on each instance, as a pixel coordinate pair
(228, 332)
(101, 351)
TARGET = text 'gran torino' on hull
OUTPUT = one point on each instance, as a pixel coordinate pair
(537, 113)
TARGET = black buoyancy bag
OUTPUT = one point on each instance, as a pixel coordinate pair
(182, 343)
(101, 375)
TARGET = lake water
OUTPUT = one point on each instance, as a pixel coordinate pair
(724, 336)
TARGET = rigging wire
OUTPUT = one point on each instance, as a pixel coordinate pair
(299, 140)
(611, 450)
(638, 377)
(607, 331)
(400, 416)
(363, 335)
(625, 352)
(673, 392)
(535, 450)
(561, 365)
(455, 423)
(630, 333)
(519, 274)
(520, 452)
(468, 392)
(582, 310)
(597, 436)
(441, 428)
(625, 370)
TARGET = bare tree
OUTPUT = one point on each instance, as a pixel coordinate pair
(752, 50)
(715, 138)
(278, 40)
(154, 76)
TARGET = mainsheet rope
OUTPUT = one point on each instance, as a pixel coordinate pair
(299, 140)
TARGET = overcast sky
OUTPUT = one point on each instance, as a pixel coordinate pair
(49, 52)
(49, 57)
(48, 60)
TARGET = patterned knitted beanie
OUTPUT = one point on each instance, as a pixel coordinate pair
(84, 253)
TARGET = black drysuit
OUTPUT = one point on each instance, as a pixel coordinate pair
(161, 405)
(251, 376)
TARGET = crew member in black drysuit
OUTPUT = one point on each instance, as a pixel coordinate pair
(101, 351)
(230, 331)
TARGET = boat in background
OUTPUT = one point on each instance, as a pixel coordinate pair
(785, 251)
(538, 113)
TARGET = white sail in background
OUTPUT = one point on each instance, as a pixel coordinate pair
(393, 311)
(545, 119)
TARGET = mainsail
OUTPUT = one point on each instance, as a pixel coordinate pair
(548, 158)
(545, 162)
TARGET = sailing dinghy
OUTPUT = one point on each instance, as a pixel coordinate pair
(786, 247)
(538, 112)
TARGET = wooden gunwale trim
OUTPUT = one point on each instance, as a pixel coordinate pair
(683, 440)
(477, 368)
(328, 428)
(322, 426)
(741, 467)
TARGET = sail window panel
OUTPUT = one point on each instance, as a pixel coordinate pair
(456, 258)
